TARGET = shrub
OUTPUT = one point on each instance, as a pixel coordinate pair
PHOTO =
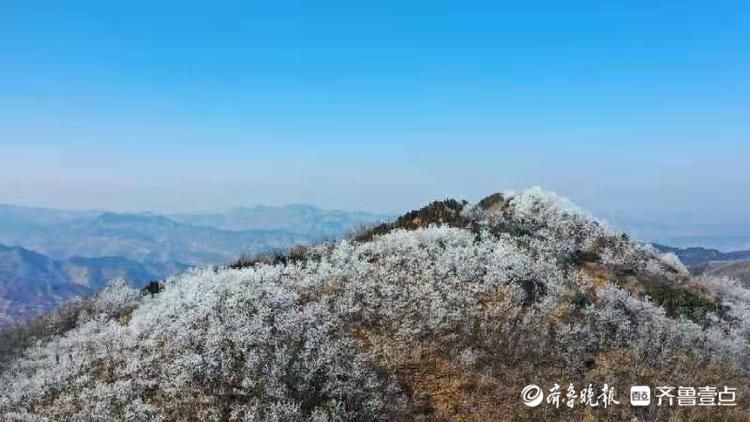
(442, 315)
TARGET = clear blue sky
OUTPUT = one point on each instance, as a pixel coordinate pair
(626, 107)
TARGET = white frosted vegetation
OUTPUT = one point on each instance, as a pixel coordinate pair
(314, 339)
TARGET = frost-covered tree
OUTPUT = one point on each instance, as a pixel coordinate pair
(438, 316)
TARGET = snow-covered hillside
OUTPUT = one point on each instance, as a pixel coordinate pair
(446, 313)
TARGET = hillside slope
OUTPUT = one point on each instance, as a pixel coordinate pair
(444, 314)
(738, 270)
(31, 282)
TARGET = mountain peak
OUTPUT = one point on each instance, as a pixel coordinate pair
(441, 315)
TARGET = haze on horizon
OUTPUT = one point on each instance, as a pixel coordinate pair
(637, 110)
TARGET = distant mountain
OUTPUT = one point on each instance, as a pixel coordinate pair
(696, 256)
(191, 239)
(447, 313)
(145, 237)
(31, 282)
(298, 218)
(58, 254)
(738, 270)
(94, 273)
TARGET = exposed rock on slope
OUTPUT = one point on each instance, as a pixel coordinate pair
(444, 314)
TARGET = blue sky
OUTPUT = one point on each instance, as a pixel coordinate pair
(631, 108)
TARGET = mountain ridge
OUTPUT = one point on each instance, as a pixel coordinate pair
(697, 255)
(82, 249)
(31, 283)
(179, 238)
(444, 314)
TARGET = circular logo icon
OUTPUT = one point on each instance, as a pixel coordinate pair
(532, 395)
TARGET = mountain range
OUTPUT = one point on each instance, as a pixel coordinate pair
(295, 218)
(53, 255)
(455, 311)
(192, 239)
(31, 282)
(712, 262)
(693, 256)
